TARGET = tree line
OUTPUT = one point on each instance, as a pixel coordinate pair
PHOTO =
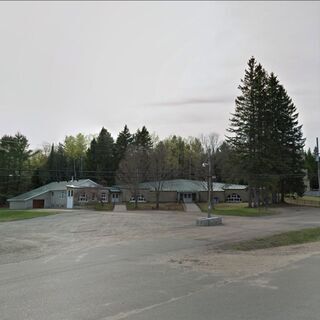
(264, 149)
(266, 137)
(100, 158)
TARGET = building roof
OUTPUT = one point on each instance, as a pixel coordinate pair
(228, 186)
(183, 185)
(55, 186)
(114, 189)
(179, 185)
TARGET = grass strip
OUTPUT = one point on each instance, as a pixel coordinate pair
(279, 240)
(239, 209)
(104, 207)
(13, 215)
(169, 206)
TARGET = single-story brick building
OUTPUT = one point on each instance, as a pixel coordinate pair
(181, 190)
(79, 193)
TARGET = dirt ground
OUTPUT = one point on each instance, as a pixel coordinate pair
(76, 231)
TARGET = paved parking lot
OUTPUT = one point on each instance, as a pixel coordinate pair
(147, 265)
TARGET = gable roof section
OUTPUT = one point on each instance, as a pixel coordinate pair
(83, 183)
(54, 186)
(183, 185)
(179, 185)
(228, 186)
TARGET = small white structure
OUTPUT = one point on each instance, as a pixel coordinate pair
(69, 199)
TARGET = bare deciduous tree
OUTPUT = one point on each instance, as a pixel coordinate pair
(133, 169)
(159, 169)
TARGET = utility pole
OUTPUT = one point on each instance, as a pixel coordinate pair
(209, 187)
(210, 205)
(209, 184)
(318, 161)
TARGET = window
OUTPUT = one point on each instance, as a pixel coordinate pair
(70, 193)
(233, 198)
(93, 196)
(103, 197)
(140, 198)
(62, 195)
(83, 197)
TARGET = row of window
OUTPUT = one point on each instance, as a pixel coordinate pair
(83, 197)
(233, 198)
(140, 198)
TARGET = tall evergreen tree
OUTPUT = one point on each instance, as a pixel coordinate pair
(286, 140)
(14, 156)
(104, 158)
(143, 139)
(63, 166)
(124, 139)
(57, 167)
(267, 140)
(248, 126)
(51, 166)
(91, 160)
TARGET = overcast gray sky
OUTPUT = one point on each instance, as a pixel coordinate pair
(172, 66)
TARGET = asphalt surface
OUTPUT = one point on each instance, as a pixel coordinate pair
(83, 265)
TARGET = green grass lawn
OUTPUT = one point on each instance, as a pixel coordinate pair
(236, 209)
(170, 206)
(12, 215)
(281, 239)
(305, 200)
(104, 207)
(310, 198)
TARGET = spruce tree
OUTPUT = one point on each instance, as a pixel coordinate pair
(91, 160)
(104, 158)
(50, 169)
(124, 139)
(267, 139)
(64, 168)
(249, 127)
(285, 139)
(143, 139)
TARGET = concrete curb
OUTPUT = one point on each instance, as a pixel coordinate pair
(212, 221)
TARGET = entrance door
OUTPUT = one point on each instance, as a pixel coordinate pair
(187, 197)
(38, 204)
(115, 197)
(70, 199)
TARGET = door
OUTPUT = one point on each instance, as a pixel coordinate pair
(38, 204)
(115, 197)
(70, 199)
(187, 197)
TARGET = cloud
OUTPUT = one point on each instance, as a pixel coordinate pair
(189, 101)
